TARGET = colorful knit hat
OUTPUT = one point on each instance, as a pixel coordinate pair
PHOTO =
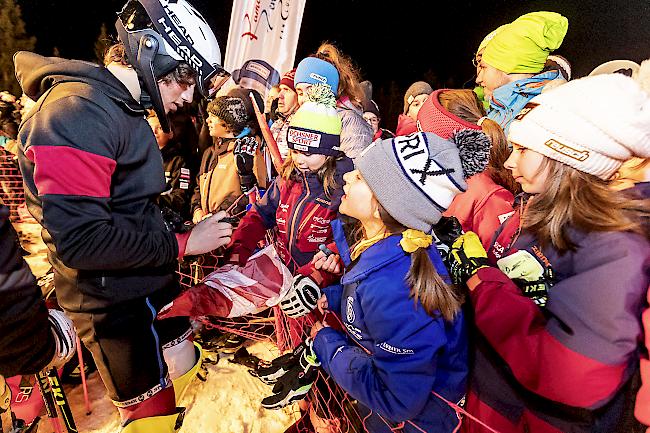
(523, 45)
(312, 70)
(416, 177)
(593, 124)
(316, 126)
(433, 117)
(287, 79)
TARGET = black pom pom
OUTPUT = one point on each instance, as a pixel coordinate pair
(473, 149)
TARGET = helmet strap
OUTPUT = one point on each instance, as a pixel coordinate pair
(147, 50)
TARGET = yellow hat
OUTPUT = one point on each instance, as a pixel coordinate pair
(523, 45)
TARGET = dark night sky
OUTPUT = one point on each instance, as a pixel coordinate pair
(397, 42)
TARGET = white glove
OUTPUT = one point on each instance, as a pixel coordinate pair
(208, 235)
(65, 338)
(302, 298)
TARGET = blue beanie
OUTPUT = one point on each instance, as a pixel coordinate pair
(313, 70)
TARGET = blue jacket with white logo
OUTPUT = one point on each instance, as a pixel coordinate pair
(395, 354)
(509, 99)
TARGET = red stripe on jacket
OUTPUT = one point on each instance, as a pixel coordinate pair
(642, 406)
(69, 171)
(515, 326)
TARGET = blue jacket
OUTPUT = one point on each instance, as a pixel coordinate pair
(396, 354)
(508, 100)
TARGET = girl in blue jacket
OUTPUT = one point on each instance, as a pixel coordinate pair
(405, 351)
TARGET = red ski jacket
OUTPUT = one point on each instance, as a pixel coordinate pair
(570, 364)
(300, 213)
(482, 207)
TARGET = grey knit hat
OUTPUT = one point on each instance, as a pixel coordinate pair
(415, 177)
(416, 89)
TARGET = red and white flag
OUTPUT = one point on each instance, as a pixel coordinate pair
(234, 291)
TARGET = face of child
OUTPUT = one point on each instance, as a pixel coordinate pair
(217, 127)
(301, 91)
(490, 78)
(372, 120)
(415, 106)
(526, 168)
(308, 162)
(358, 202)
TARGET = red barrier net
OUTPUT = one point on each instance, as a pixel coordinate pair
(255, 316)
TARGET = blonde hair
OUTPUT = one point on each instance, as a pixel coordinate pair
(466, 105)
(579, 200)
(348, 73)
(326, 174)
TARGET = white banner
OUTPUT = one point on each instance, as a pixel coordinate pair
(262, 41)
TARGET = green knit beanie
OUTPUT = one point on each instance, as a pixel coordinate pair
(523, 45)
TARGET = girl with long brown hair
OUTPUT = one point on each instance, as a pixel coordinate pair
(489, 196)
(406, 341)
(558, 296)
(302, 201)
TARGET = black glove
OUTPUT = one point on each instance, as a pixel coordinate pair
(445, 232)
(244, 152)
(174, 221)
(271, 372)
(302, 298)
(295, 383)
(466, 257)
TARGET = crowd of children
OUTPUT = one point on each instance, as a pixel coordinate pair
(484, 268)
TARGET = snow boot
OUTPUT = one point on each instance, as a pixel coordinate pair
(182, 382)
(156, 424)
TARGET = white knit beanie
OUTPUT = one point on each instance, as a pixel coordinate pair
(593, 124)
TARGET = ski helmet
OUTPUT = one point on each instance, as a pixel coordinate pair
(158, 35)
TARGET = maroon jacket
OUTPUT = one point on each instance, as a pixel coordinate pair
(568, 365)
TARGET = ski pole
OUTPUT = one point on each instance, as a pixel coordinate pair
(276, 158)
(48, 399)
(61, 400)
(82, 369)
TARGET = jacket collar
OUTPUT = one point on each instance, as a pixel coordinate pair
(376, 257)
(508, 94)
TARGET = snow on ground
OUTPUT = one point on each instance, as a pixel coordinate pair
(29, 233)
(227, 402)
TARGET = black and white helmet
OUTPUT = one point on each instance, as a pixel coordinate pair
(158, 35)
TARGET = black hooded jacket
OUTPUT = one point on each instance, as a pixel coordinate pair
(92, 172)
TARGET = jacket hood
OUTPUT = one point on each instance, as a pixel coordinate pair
(37, 74)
